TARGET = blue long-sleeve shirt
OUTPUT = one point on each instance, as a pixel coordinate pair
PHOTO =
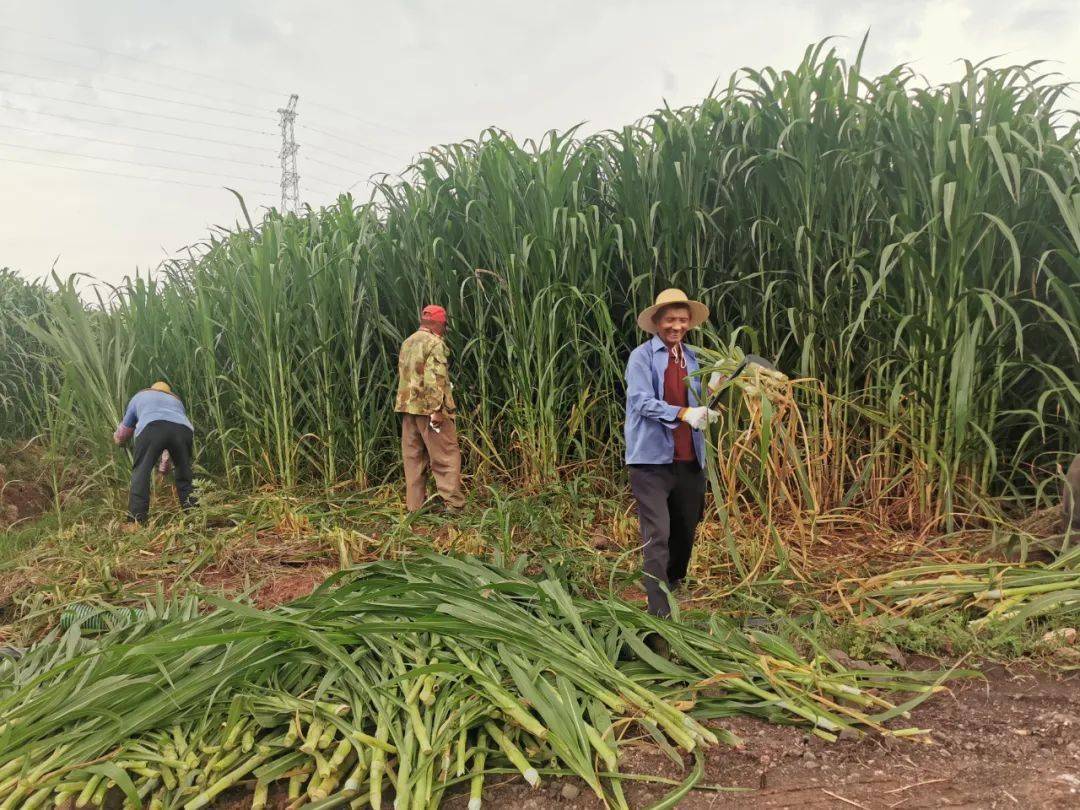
(154, 406)
(650, 421)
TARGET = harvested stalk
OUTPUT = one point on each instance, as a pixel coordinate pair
(295, 694)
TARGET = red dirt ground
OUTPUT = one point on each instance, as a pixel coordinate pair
(290, 585)
(274, 587)
(20, 500)
(1010, 741)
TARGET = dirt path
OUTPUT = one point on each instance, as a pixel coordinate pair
(1012, 740)
(20, 500)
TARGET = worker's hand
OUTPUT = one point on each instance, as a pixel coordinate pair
(122, 434)
(437, 420)
(700, 416)
(716, 379)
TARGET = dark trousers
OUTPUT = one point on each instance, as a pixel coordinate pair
(670, 500)
(149, 444)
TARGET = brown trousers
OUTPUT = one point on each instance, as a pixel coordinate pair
(422, 447)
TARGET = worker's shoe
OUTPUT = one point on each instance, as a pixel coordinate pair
(654, 641)
(443, 508)
(658, 644)
(429, 507)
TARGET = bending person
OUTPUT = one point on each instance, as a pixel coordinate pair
(157, 419)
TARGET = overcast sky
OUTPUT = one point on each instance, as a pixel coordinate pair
(107, 88)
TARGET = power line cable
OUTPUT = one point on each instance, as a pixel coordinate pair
(119, 174)
(329, 183)
(348, 140)
(133, 80)
(344, 156)
(245, 85)
(128, 162)
(355, 117)
(126, 126)
(351, 172)
(142, 59)
(164, 66)
(137, 146)
(136, 112)
(335, 166)
(126, 93)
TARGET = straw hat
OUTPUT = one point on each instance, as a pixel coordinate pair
(699, 313)
(161, 386)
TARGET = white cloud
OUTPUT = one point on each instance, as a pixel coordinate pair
(1015, 32)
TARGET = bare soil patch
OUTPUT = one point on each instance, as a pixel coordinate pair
(289, 585)
(274, 587)
(20, 499)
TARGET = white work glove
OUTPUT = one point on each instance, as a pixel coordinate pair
(715, 380)
(700, 416)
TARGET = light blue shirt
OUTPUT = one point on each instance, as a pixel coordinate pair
(650, 421)
(154, 406)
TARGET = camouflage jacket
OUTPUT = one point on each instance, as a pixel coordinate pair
(424, 375)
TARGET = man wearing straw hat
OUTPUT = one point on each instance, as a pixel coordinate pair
(665, 445)
(425, 401)
(157, 419)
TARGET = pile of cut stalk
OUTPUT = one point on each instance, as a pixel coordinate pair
(416, 680)
(998, 595)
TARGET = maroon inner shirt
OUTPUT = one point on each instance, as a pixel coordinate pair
(675, 393)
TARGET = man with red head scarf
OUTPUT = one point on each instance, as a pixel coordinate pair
(426, 402)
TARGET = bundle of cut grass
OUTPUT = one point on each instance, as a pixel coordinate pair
(998, 595)
(406, 678)
(773, 445)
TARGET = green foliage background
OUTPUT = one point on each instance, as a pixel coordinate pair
(915, 247)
